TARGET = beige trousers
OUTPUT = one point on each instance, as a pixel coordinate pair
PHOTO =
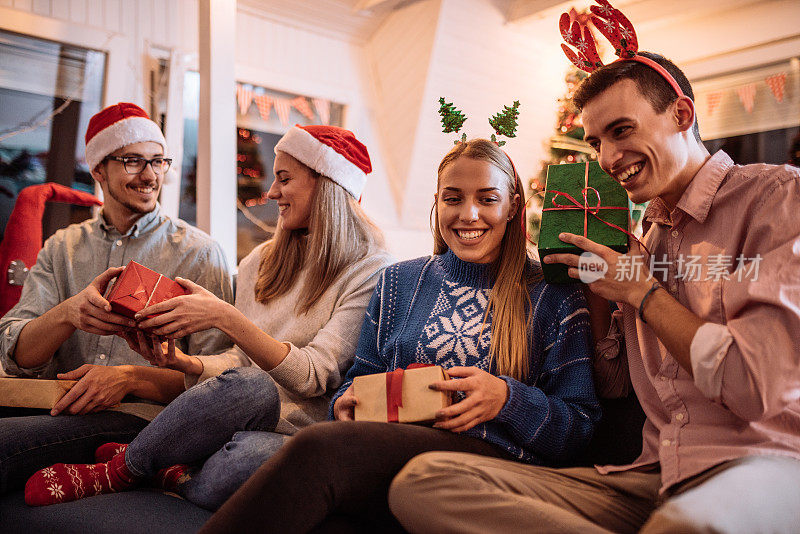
(464, 493)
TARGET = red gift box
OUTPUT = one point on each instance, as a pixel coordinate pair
(138, 287)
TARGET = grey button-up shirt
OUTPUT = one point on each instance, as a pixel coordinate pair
(75, 255)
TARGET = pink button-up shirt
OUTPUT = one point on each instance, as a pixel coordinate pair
(741, 225)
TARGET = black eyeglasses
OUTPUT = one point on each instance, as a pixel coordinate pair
(136, 164)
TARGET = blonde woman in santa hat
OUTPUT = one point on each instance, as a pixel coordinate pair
(300, 298)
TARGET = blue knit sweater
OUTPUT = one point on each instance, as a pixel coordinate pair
(430, 310)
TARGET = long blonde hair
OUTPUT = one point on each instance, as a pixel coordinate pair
(339, 234)
(508, 301)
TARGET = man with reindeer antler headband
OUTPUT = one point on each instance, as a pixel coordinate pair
(709, 319)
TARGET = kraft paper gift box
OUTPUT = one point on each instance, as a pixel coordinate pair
(32, 392)
(400, 396)
(592, 191)
(138, 287)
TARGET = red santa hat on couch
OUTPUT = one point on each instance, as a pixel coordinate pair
(117, 126)
(331, 151)
(23, 236)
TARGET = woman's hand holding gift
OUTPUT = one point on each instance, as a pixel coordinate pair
(485, 393)
(184, 315)
(162, 353)
(344, 407)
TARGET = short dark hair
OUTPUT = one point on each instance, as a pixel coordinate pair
(650, 83)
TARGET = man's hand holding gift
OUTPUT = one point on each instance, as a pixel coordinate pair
(90, 312)
(626, 279)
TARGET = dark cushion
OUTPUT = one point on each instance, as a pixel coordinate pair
(617, 439)
(131, 512)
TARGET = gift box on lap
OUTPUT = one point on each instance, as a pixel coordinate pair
(138, 287)
(400, 396)
(32, 392)
(580, 198)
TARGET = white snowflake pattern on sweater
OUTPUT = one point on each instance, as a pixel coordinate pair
(452, 335)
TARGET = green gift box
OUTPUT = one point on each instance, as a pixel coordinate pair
(595, 195)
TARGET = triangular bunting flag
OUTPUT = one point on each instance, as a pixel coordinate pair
(747, 96)
(243, 97)
(777, 84)
(713, 100)
(323, 108)
(302, 105)
(264, 104)
(282, 108)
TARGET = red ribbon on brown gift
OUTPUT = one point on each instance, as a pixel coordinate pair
(394, 390)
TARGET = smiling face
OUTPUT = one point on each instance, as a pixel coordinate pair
(293, 189)
(128, 196)
(645, 151)
(473, 205)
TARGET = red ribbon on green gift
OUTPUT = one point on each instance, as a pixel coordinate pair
(394, 390)
(589, 210)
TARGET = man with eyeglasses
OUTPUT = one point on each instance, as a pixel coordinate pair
(62, 326)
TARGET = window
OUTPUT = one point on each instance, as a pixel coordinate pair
(754, 114)
(263, 116)
(48, 93)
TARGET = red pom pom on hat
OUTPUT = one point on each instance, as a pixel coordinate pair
(331, 151)
(118, 126)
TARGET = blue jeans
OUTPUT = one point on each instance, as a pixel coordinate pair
(33, 439)
(223, 424)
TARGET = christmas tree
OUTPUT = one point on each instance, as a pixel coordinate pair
(566, 146)
(251, 178)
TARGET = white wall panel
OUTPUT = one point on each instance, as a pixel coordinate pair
(112, 15)
(77, 11)
(398, 57)
(25, 5)
(60, 10)
(42, 7)
(480, 63)
(95, 11)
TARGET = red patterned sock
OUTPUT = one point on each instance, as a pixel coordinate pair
(106, 452)
(69, 482)
(169, 477)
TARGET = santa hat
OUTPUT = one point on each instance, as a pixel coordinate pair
(331, 151)
(117, 126)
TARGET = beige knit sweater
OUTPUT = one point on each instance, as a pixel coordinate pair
(322, 341)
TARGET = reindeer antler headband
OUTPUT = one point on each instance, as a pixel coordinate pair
(503, 123)
(618, 30)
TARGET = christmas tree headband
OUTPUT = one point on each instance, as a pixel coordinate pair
(618, 30)
(503, 123)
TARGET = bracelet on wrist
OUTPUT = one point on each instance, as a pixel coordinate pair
(650, 291)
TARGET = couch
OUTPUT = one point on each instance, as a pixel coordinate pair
(617, 440)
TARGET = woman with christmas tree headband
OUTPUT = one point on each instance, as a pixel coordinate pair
(519, 349)
(298, 298)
